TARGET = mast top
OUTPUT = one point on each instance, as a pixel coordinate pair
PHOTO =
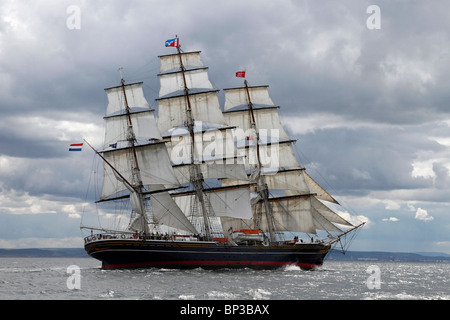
(122, 80)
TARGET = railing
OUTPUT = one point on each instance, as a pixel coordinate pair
(133, 236)
(177, 237)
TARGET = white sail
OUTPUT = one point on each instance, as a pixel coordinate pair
(172, 61)
(223, 170)
(173, 82)
(166, 211)
(134, 96)
(154, 168)
(135, 202)
(288, 180)
(272, 156)
(266, 118)
(173, 102)
(329, 214)
(230, 202)
(144, 127)
(296, 182)
(138, 224)
(295, 214)
(318, 190)
(233, 203)
(259, 95)
(211, 170)
(299, 213)
(287, 215)
(292, 215)
(205, 107)
(211, 145)
(321, 223)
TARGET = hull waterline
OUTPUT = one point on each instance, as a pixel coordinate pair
(128, 254)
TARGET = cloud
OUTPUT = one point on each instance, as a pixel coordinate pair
(47, 136)
(443, 245)
(391, 219)
(422, 214)
(392, 205)
(356, 219)
(310, 123)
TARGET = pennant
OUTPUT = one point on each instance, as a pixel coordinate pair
(240, 74)
(75, 147)
(173, 42)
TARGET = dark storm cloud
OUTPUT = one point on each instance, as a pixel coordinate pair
(362, 160)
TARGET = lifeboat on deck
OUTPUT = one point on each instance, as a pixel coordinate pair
(247, 235)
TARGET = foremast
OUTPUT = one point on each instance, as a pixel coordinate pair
(136, 182)
(137, 166)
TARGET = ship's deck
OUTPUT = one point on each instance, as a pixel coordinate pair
(164, 238)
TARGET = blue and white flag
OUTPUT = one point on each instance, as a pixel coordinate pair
(173, 42)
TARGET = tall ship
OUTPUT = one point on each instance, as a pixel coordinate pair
(203, 187)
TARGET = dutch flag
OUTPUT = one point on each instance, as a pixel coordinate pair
(75, 147)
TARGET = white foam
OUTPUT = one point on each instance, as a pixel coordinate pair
(222, 295)
(292, 267)
(258, 294)
(187, 297)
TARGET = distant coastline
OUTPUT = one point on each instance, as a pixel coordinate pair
(335, 255)
(44, 253)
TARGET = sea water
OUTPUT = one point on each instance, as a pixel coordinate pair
(83, 279)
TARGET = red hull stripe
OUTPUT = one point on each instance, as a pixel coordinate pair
(206, 263)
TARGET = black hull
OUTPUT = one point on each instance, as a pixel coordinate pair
(126, 254)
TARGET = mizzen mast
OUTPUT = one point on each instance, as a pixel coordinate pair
(262, 188)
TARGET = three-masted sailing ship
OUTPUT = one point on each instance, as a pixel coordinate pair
(206, 188)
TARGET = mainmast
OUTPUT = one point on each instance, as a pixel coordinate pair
(200, 144)
(196, 175)
(262, 188)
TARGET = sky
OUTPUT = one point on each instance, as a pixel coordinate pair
(363, 89)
